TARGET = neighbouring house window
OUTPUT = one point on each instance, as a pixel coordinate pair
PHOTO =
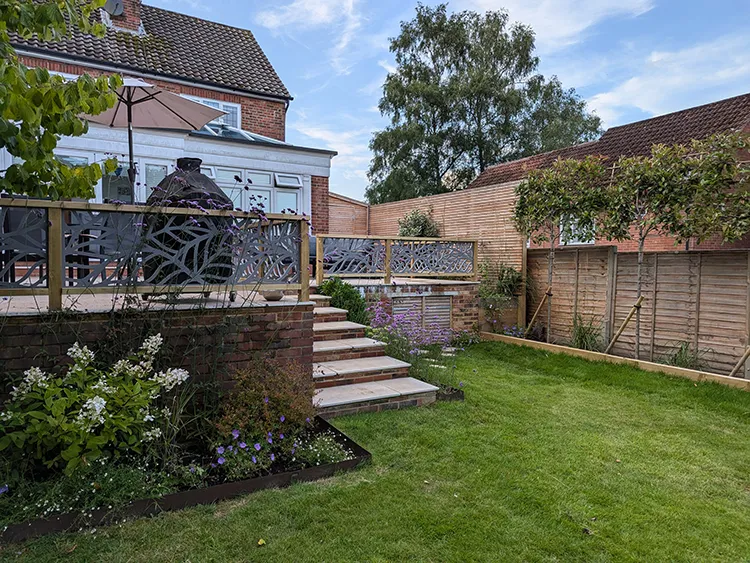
(232, 117)
(288, 181)
(229, 175)
(116, 185)
(155, 173)
(286, 201)
(574, 236)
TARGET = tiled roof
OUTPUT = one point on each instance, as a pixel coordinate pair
(179, 46)
(635, 138)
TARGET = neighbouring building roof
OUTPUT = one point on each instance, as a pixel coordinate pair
(178, 46)
(731, 114)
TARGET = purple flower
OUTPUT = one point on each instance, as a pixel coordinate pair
(257, 447)
(220, 461)
(3, 489)
(273, 457)
(283, 418)
(255, 460)
(213, 466)
(235, 434)
(242, 445)
(281, 436)
(265, 400)
(461, 384)
(307, 420)
(270, 440)
(230, 448)
(270, 435)
(220, 450)
(192, 469)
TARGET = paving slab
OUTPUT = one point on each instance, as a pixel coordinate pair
(371, 391)
(336, 325)
(346, 344)
(328, 311)
(364, 365)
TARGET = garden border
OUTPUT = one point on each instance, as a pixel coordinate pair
(14, 533)
(737, 383)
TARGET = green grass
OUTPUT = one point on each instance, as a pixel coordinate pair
(550, 458)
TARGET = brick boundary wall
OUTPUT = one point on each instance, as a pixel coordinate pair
(208, 342)
(265, 117)
(465, 314)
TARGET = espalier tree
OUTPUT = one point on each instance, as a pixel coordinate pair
(37, 108)
(556, 203)
(687, 192)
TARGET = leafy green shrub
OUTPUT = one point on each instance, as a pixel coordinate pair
(417, 223)
(498, 288)
(346, 296)
(269, 397)
(587, 334)
(72, 419)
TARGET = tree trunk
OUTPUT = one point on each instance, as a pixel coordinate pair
(550, 268)
(639, 291)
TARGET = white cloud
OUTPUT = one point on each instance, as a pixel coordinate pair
(671, 80)
(341, 18)
(558, 23)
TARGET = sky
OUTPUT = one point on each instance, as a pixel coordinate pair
(629, 59)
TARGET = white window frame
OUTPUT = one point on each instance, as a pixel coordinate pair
(265, 172)
(286, 184)
(277, 208)
(222, 104)
(573, 239)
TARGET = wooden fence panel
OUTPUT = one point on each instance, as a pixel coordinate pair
(701, 299)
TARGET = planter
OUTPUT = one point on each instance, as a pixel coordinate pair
(450, 395)
(193, 497)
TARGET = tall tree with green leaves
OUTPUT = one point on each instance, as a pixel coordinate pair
(37, 108)
(466, 95)
(556, 203)
(687, 192)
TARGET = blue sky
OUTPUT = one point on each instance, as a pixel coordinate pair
(630, 59)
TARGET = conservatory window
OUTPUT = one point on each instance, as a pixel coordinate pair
(288, 181)
(286, 201)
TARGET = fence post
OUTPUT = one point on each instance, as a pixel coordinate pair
(304, 258)
(388, 243)
(54, 258)
(475, 265)
(319, 250)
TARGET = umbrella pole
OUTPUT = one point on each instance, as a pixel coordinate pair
(131, 167)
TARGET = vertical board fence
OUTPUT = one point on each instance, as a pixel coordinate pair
(696, 299)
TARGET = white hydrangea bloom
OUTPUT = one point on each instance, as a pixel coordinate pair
(152, 345)
(32, 377)
(150, 435)
(6, 416)
(91, 414)
(103, 386)
(171, 378)
(82, 356)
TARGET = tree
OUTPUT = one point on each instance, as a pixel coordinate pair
(417, 223)
(465, 95)
(553, 204)
(37, 108)
(684, 191)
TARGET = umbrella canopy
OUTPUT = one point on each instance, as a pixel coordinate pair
(140, 104)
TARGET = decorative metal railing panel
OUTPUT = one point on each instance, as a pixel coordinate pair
(23, 247)
(111, 249)
(346, 256)
(432, 257)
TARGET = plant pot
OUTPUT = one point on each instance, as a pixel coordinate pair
(273, 295)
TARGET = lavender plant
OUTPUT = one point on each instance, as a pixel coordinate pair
(69, 420)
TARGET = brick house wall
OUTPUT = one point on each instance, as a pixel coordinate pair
(264, 117)
(319, 204)
(209, 343)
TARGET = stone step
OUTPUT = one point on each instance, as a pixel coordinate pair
(374, 396)
(347, 349)
(320, 300)
(360, 370)
(329, 314)
(338, 330)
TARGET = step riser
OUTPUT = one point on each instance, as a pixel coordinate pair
(332, 356)
(378, 405)
(351, 378)
(330, 318)
(325, 336)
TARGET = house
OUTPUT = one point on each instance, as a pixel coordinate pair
(212, 63)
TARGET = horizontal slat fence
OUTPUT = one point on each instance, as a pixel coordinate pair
(695, 298)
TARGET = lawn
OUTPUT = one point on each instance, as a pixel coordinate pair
(550, 458)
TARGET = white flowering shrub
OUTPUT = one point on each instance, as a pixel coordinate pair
(68, 420)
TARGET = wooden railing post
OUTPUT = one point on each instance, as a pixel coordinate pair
(388, 243)
(304, 258)
(319, 259)
(54, 258)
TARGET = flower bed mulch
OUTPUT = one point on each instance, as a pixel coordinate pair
(193, 497)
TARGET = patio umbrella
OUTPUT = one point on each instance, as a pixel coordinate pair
(140, 104)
